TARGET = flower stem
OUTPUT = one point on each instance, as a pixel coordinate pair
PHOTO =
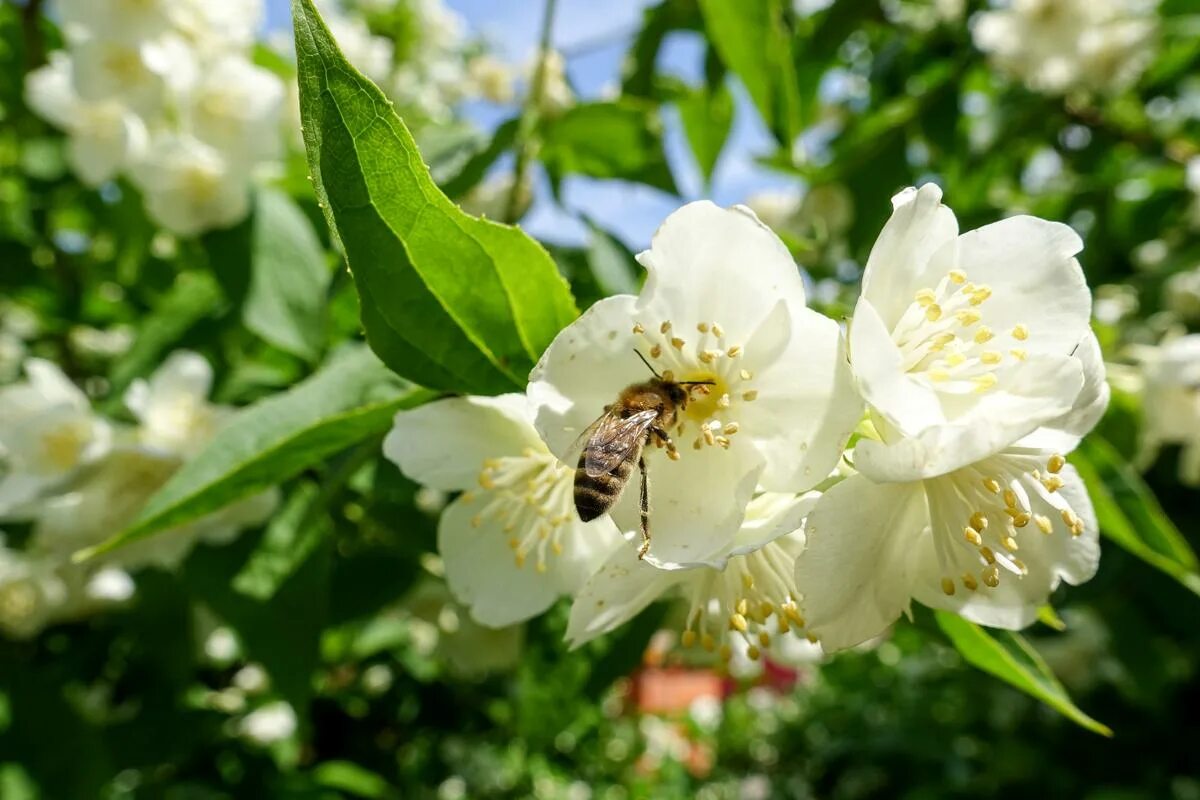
(525, 144)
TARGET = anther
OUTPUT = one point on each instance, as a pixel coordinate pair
(1018, 353)
(746, 374)
(688, 639)
(656, 351)
(668, 375)
(983, 335)
(753, 652)
(990, 357)
(726, 652)
(734, 351)
(718, 331)
(984, 382)
(979, 521)
(926, 297)
(666, 326)
(948, 586)
(1044, 524)
(639, 328)
(764, 638)
(707, 642)
(1010, 544)
(987, 554)
(980, 295)
(1020, 333)
(1053, 483)
(723, 401)
(702, 327)
(738, 623)
(968, 317)
(991, 576)
(672, 454)
(939, 375)
(730, 429)
(957, 276)
(933, 312)
(677, 343)
(1056, 463)
(969, 581)
(723, 442)
(972, 536)
(709, 437)
(992, 485)
(1022, 519)
(1010, 498)
(750, 395)
(955, 359)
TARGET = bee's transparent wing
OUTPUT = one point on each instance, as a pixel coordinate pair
(612, 440)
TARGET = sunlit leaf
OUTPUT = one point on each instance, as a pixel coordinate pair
(622, 139)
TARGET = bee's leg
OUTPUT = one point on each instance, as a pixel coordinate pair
(645, 508)
(664, 439)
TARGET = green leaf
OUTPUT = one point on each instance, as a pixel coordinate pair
(351, 399)
(348, 777)
(707, 115)
(448, 300)
(294, 532)
(754, 41)
(1009, 657)
(289, 277)
(622, 139)
(1130, 515)
(476, 166)
(611, 262)
(193, 297)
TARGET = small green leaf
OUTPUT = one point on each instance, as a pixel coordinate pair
(346, 776)
(1050, 618)
(611, 262)
(289, 277)
(292, 535)
(623, 140)
(352, 398)
(1009, 657)
(448, 300)
(476, 166)
(1130, 515)
(754, 41)
(707, 114)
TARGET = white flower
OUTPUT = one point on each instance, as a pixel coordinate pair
(47, 432)
(741, 605)
(512, 543)
(172, 406)
(115, 20)
(269, 724)
(557, 95)
(31, 593)
(236, 108)
(213, 26)
(104, 136)
(371, 54)
(1171, 404)
(471, 650)
(141, 74)
(962, 345)
(190, 187)
(723, 302)
(977, 385)
(1059, 45)
(491, 78)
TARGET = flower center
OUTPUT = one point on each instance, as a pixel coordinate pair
(62, 446)
(702, 353)
(530, 497)
(944, 341)
(752, 597)
(125, 64)
(1002, 497)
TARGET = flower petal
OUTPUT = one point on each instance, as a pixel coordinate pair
(713, 264)
(857, 569)
(616, 594)
(807, 405)
(1063, 434)
(905, 402)
(918, 227)
(1037, 391)
(443, 444)
(582, 371)
(482, 572)
(1035, 280)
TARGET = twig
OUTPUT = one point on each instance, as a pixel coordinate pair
(524, 143)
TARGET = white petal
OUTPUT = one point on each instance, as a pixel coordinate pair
(697, 503)
(52, 384)
(583, 370)
(1037, 391)
(770, 516)
(1063, 434)
(183, 373)
(807, 404)
(443, 444)
(616, 593)
(896, 268)
(713, 264)
(857, 567)
(482, 572)
(50, 93)
(904, 401)
(1036, 282)
(585, 546)
(1013, 604)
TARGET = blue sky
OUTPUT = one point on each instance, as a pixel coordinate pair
(595, 36)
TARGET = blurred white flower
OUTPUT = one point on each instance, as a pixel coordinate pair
(490, 197)
(492, 78)
(1181, 294)
(104, 137)
(371, 54)
(47, 432)
(30, 593)
(512, 542)
(215, 26)
(115, 20)
(724, 302)
(236, 108)
(140, 74)
(821, 212)
(172, 407)
(1056, 46)
(471, 650)
(751, 598)
(1171, 404)
(269, 724)
(190, 187)
(557, 95)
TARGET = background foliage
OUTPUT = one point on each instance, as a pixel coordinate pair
(334, 608)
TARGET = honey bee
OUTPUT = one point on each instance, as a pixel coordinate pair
(642, 414)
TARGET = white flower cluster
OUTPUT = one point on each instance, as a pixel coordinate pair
(1057, 46)
(1171, 404)
(971, 356)
(80, 478)
(165, 93)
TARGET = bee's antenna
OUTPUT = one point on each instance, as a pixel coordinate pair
(649, 366)
(697, 383)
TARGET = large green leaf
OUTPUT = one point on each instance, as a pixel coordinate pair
(289, 278)
(1129, 513)
(1009, 657)
(623, 139)
(449, 301)
(352, 398)
(754, 41)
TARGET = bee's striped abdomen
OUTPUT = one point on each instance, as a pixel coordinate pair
(595, 495)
